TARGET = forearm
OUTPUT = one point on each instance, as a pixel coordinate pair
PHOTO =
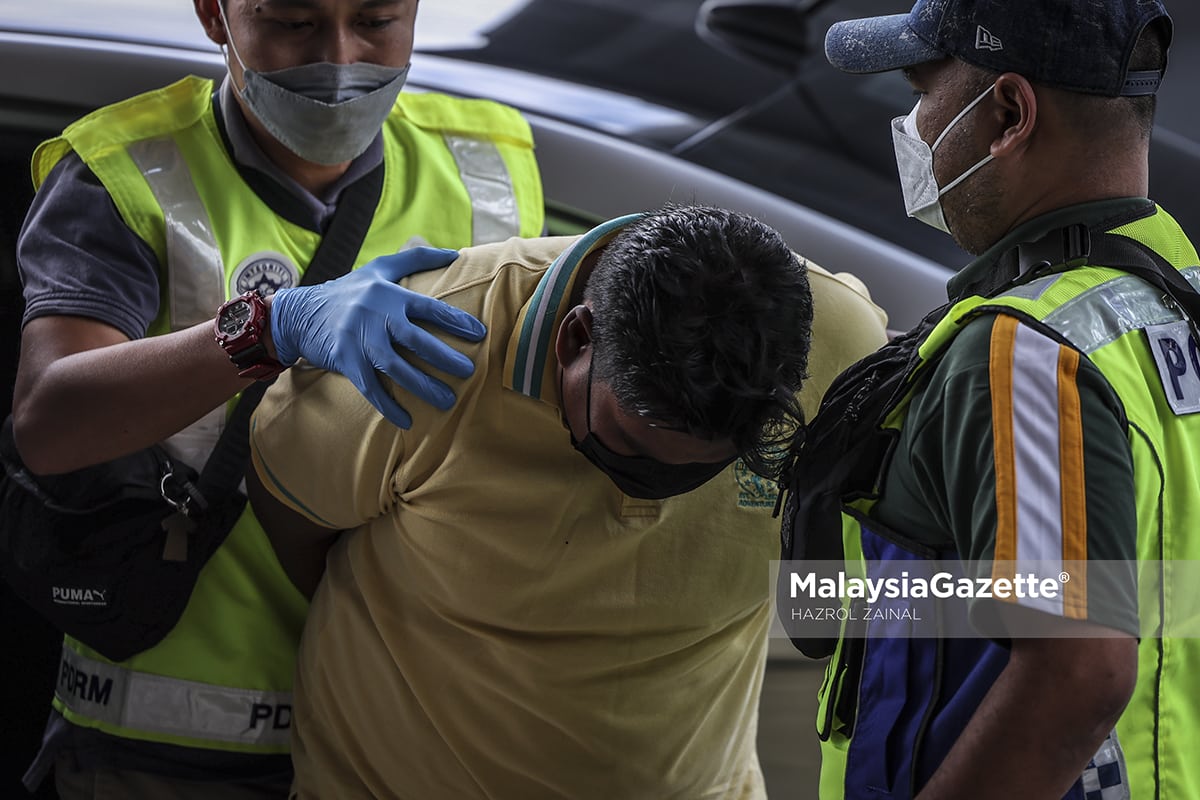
(1041, 722)
(77, 405)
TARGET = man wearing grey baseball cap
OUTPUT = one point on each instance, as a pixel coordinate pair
(1046, 418)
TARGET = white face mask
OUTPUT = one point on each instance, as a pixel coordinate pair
(922, 198)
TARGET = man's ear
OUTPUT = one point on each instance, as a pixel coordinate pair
(574, 335)
(1016, 111)
(209, 14)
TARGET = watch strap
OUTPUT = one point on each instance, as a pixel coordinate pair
(255, 362)
(247, 349)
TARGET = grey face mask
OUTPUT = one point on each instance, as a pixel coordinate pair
(324, 113)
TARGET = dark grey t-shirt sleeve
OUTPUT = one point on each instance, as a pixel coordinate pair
(77, 257)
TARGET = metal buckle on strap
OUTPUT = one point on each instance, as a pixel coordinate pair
(1070, 249)
(184, 496)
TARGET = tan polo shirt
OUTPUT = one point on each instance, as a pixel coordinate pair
(501, 621)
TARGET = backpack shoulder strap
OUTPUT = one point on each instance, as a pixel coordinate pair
(335, 257)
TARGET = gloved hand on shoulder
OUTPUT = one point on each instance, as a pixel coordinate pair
(353, 325)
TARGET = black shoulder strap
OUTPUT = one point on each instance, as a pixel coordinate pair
(334, 257)
(1077, 246)
(347, 230)
(1128, 255)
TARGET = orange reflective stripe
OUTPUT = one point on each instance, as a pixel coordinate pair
(1074, 499)
(1003, 343)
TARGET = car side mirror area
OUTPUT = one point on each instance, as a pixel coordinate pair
(771, 33)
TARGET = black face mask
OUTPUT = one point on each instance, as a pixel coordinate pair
(641, 476)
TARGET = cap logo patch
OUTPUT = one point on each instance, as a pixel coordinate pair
(984, 40)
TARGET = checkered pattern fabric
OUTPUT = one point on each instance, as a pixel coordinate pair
(1105, 777)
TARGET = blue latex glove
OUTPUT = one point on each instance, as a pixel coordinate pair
(353, 325)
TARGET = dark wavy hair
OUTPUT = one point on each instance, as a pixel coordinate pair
(701, 322)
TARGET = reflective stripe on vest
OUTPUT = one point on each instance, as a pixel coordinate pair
(152, 186)
(1105, 313)
(155, 704)
(195, 273)
(1097, 316)
(494, 216)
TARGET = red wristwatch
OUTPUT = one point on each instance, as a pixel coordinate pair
(240, 327)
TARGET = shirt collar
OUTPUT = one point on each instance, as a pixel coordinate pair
(530, 364)
(1002, 262)
(247, 153)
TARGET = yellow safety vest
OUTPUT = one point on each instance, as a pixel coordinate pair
(1116, 320)
(457, 173)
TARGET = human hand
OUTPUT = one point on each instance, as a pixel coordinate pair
(354, 324)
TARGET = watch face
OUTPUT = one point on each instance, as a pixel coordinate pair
(234, 319)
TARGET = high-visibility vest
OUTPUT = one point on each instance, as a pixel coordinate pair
(890, 709)
(457, 173)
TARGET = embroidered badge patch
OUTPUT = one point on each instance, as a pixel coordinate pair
(265, 272)
(754, 491)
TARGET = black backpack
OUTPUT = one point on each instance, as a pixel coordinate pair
(837, 458)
